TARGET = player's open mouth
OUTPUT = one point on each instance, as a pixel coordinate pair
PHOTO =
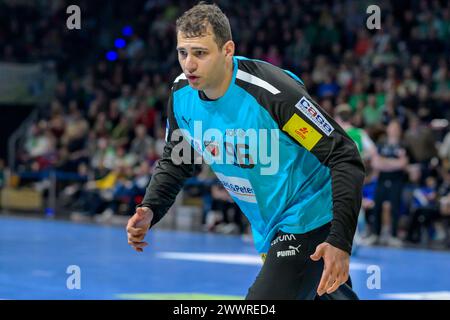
(192, 78)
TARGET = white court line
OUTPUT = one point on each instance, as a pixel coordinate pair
(432, 295)
(242, 259)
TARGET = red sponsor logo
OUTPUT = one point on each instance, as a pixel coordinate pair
(302, 132)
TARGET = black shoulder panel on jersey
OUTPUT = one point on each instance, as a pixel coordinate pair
(289, 104)
(180, 82)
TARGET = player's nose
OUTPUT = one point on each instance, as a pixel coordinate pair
(190, 64)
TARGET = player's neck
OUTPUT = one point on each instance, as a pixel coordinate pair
(219, 90)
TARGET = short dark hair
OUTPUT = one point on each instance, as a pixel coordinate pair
(195, 21)
(346, 116)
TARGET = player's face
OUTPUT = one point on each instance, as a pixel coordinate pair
(202, 61)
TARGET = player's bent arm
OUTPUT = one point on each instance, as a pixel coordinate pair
(339, 153)
(336, 150)
(168, 178)
(290, 105)
(167, 181)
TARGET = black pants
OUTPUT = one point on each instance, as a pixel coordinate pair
(288, 272)
(388, 190)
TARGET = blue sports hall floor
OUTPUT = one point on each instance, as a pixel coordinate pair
(36, 255)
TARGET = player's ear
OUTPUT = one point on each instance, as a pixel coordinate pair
(228, 49)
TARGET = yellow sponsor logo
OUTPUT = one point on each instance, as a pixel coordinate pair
(301, 131)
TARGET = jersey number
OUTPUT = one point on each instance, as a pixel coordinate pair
(240, 154)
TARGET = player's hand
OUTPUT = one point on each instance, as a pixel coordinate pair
(336, 267)
(137, 228)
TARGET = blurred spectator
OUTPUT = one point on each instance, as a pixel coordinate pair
(104, 154)
(420, 142)
(146, 115)
(372, 113)
(142, 142)
(120, 134)
(430, 205)
(40, 147)
(95, 196)
(424, 208)
(390, 162)
(329, 88)
(219, 218)
(74, 140)
(126, 100)
(363, 44)
(273, 56)
(444, 152)
(366, 146)
(124, 159)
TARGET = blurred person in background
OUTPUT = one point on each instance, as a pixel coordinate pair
(96, 195)
(424, 210)
(40, 145)
(142, 142)
(219, 218)
(430, 211)
(367, 149)
(372, 114)
(444, 151)
(390, 162)
(421, 144)
(343, 116)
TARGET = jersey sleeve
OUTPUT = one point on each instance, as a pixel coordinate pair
(168, 178)
(300, 117)
(309, 126)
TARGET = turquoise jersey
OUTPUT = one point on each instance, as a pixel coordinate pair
(312, 159)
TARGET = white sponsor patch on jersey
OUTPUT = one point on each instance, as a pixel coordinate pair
(238, 188)
(310, 111)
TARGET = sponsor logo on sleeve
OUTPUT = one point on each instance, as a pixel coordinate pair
(301, 131)
(313, 114)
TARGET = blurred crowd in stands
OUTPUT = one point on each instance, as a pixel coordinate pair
(389, 88)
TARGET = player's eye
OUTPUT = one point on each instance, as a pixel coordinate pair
(200, 53)
(183, 54)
